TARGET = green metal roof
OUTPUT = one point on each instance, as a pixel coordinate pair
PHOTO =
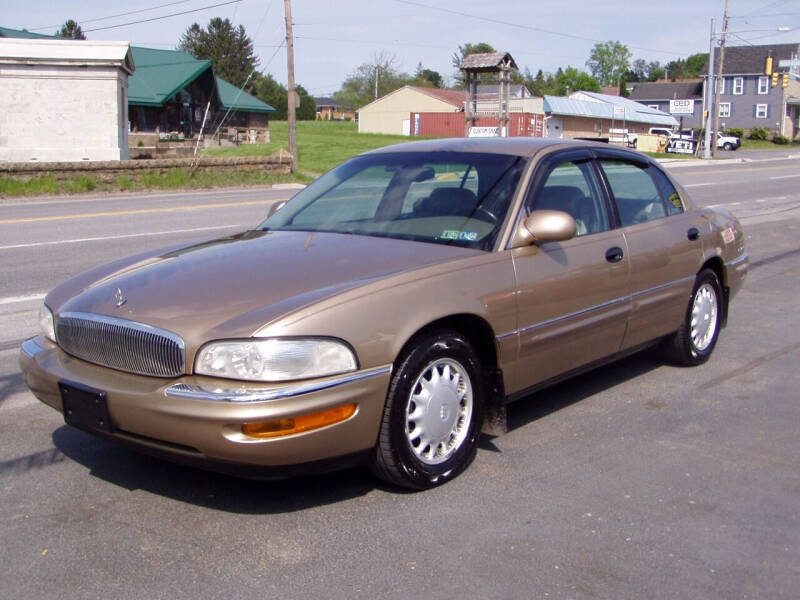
(17, 33)
(233, 99)
(160, 74)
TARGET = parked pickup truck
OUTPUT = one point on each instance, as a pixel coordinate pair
(724, 141)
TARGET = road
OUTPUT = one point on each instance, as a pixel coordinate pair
(639, 480)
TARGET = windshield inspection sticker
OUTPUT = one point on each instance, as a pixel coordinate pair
(464, 236)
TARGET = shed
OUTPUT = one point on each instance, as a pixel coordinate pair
(391, 113)
(63, 100)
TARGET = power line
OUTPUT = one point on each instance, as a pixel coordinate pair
(132, 12)
(527, 27)
(185, 12)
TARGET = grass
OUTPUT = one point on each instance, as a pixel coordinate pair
(748, 144)
(145, 180)
(321, 145)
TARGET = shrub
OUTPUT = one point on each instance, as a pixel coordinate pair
(735, 131)
(780, 139)
(759, 133)
(139, 144)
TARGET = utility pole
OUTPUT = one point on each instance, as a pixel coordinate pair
(719, 81)
(376, 80)
(708, 97)
(292, 95)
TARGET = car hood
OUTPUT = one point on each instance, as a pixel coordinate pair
(231, 287)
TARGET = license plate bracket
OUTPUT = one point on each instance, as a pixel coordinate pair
(85, 407)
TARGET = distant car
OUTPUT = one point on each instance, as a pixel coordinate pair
(388, 312)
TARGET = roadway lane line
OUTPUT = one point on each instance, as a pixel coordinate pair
(698, 184)
(141, 211)
(116, 237)
(18, 299)
(784, 177)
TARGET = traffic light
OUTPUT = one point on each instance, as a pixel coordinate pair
(785, 82)
(768, 67)
(774, 79)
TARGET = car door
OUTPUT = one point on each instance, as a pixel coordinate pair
(571, 296)
(663, 241)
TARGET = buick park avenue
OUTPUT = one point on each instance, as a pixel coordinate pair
(386, 314)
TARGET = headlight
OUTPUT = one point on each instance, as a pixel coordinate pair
(46, 323)
(275, 359)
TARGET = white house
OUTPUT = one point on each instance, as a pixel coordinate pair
(63, 100)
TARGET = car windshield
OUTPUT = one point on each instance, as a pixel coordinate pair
(456, 198)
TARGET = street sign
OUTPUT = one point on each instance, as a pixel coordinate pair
(681, 107)
(480, 132)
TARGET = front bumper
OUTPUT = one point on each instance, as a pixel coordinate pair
(189, 420)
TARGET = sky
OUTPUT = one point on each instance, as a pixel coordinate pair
(334, 37)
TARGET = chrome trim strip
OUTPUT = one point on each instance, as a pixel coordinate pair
(185, 390)
(31, 347)
(608, 304)
(736, 261)
(663, 286)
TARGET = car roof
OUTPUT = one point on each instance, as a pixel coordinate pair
(516, 146)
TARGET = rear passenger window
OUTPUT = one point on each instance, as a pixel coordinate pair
(637, 197)
(570, 187)
(668, 193)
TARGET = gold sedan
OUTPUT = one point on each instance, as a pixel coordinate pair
(388, 312)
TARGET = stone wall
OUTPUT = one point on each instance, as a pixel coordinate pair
(278, 163)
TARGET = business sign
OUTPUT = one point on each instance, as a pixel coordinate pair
(619, 111)
(482, 132)
(679, 146)
(681, 107)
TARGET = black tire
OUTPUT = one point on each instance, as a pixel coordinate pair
(685, 349)
(397, 459)
(727, 146)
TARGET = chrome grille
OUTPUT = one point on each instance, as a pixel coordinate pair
(121, 344)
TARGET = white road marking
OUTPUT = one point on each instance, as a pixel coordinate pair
(688, 185)
(784, 176)
(116, 237)
(17, 299)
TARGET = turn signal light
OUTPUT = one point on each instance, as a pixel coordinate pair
(281, 427)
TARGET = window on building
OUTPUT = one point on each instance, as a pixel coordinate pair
(763, 85)
(761, 111)
(721, 84)
(724, 109)
(738, 86)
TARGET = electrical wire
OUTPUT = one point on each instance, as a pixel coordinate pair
(132, 12)
(526, 27)
(185, 12)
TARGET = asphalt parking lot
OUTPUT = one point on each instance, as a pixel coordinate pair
(638, 480)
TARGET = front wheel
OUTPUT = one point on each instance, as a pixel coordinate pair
(727, 146)
(694, 342)
(433, 413)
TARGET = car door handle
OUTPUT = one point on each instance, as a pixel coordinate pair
(614, 255)
(693, 234)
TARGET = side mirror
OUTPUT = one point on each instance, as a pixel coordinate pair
(545, 226)
(275, 207)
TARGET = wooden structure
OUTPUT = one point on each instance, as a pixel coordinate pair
(489, 67)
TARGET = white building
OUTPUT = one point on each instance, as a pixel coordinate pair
(63, 100)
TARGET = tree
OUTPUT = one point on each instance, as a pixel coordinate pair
(563, 82)
(688, 68)
(268, 90)
(307, 111)
(609, 61)
(228, 48)
(463, 52)
(70, 30)
(360, 86)
(426, 78)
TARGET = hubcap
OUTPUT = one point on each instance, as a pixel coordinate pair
(704, 316)
(439, 411)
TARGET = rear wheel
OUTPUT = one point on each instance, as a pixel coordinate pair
(727, 146)
(694, 342)
(433, 413)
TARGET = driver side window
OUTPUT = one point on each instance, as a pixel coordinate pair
(570, 187)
